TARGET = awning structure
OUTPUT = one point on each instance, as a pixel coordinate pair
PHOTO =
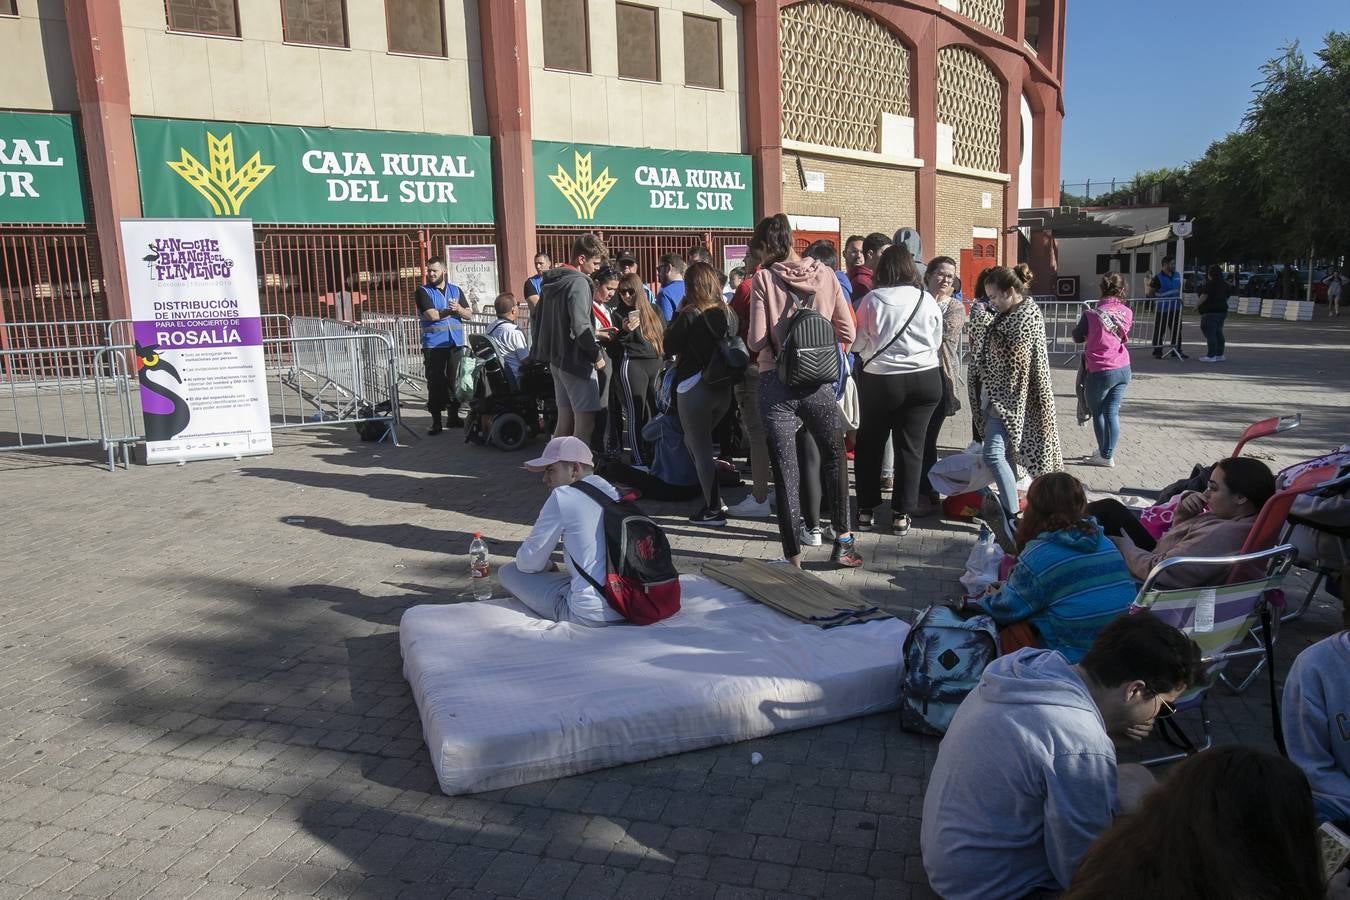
(1068, 222)
(1159, 235)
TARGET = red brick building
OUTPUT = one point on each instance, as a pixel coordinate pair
(362, 136)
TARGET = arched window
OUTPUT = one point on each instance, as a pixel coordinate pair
(970, 104)
(841, 71)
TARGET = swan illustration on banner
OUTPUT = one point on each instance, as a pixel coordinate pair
(166, 413)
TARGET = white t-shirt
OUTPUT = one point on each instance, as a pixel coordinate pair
(576, 519)
(510, 344)
(881, 314)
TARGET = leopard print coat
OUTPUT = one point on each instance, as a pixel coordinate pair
(1010, 365)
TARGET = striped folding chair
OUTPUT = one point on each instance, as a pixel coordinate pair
(1219, 620)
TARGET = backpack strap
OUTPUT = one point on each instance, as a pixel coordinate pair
(800, 300)
(898, 334)
(604, 500)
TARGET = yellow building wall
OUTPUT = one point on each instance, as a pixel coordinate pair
(36, 50)
(260, 78)
(865, 197)
(960, 210)
(602, 108)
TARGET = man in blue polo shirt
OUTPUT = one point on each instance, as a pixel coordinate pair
(671, 294)
(1165, 288)
(442, 308)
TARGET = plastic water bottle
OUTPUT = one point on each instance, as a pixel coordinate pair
(479, 570)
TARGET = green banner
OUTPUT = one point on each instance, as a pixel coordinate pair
(281, 173)
(39, 170)
(588, 184)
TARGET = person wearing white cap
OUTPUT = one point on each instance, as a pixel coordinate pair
(569, 514)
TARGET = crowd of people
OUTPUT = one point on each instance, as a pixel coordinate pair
(800, 367)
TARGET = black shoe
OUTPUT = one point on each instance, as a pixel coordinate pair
(713, 518)
(453, 421)
(1157, 354)
(846, 555)
(435, 428)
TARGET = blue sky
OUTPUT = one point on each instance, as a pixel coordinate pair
(1151, 83)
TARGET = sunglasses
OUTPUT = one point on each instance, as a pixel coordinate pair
(626, 292)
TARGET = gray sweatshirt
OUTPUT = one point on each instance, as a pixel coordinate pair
(1024, 782)
(1316, 716)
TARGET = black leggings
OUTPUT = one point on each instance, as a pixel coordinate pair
(783, 409)
(635, 399)
(1117, 520)
(814, 487)
(900, 406)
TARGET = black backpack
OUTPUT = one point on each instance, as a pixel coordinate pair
(809, 356)
(641, 583)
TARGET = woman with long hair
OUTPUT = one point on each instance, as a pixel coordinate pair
(700, 323)
(899, 382)
(1012, 399)
(786, 283)
(1213, 522)
(1069, 581)
(941, 281)
(1104, 332)
(604, 282)
(641, 345)
(1229, 822)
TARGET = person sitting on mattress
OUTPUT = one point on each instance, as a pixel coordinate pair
(574, 517)
(1069, 580)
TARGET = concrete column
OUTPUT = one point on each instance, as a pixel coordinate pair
(1047, 125)
(1050, 46)
(100, 63)
(924, 105)
(1010, 153)
(763, 103)
(506, 90)
(1015, 20)
(1043, 262)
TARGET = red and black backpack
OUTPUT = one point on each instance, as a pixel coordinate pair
(641, 583)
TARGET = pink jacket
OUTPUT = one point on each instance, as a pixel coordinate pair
(1103, 350)
(770, 299)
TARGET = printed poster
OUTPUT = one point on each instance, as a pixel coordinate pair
(474, 269)
(197, 328)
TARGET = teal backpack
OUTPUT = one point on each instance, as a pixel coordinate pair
(945, 656)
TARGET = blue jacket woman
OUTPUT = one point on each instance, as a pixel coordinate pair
(1069, 580)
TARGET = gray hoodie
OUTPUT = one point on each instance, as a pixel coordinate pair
(1025, 780)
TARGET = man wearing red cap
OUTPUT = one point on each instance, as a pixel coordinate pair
(574, 517)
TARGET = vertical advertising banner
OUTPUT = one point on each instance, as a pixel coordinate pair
(474, 268)
(197, 328)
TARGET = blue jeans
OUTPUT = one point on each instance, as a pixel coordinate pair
(1211, 326)
(995, 456)
(1104, 391)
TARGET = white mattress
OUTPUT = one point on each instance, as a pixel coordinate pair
(507, 698)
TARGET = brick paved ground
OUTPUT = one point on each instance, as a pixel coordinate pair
(201, 690)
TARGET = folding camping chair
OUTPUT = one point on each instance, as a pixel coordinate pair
(1266, 530)
(1320, 572)
(1265, 428)
(1218, 619)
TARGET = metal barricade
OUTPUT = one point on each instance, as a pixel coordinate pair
(405, 333)
(336, 375)
(1062, 316)
(63, 397)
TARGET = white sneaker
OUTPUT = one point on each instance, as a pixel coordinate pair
(1220, 358)
(1209, 359)
(1097, 459)
(750, 508)
(808, 537)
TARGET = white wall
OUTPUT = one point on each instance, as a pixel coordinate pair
(602, 108)
(259, 78)
(36, 50)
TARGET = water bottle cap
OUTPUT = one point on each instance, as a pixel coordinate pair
(478, 534)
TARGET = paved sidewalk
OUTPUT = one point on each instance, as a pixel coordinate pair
(201, 690)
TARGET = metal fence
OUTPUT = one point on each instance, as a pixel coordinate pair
(84, 392)
(1062, 316)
